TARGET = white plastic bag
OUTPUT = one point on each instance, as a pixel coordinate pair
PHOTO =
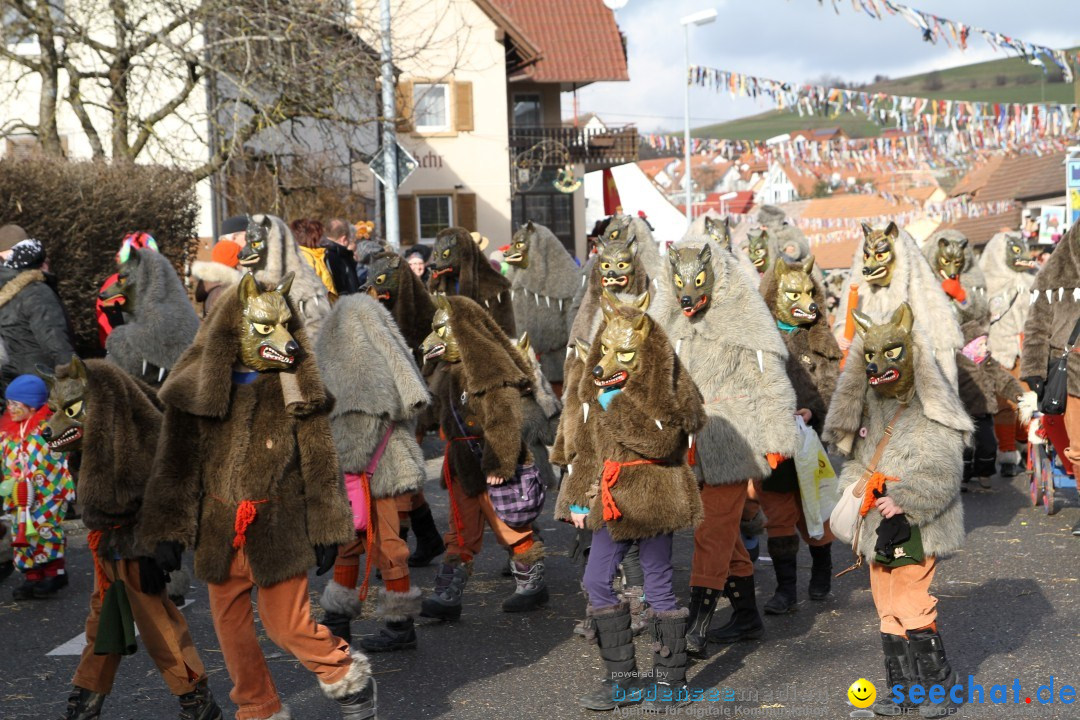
(817, 480)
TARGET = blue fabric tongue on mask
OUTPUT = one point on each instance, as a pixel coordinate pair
(606, 396)
(785, 327)
(244, 378)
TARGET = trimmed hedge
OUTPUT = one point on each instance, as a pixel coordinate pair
(81, 211)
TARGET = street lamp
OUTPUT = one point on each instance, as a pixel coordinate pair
(703, 17)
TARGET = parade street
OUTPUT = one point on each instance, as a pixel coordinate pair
(1009, 600)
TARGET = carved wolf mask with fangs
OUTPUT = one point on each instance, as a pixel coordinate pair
(621, 342)
(265, 341)
(888, 350)
(67, 400)
(692, 277)
(879, 253)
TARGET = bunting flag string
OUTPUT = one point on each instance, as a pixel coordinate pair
(956, 34)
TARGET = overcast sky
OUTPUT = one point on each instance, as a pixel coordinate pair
(796, 40)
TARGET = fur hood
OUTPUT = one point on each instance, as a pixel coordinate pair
(1008, 292)
(1054, 309)
(697, 229)
(783, 234)
(479, 282)
(552, 271)
(371, 374)
(913, 282)
(972, 280)
(413, 309)
(120, 434)
(201, 381)
(488, 359)
(735, 354)
(164, 322)
(653, 418)
(214, 272)
(308, 293)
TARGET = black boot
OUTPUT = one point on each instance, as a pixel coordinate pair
(898, 671)
(821, 571)
(83, 704)
(339, 625)
(392, 636)
(362, 705)
(199, 704)
(745, 622)
(702, 606)
(429, 543)
(530, 591)
(445, 602)
(785, 554)
(669, 661)
(6, 569)
(635, 595)
(610, 629)
(25, 591)
(932, 668)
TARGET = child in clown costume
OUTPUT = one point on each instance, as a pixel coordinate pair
(36, 489)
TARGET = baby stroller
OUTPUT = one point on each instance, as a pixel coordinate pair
(1047, 475)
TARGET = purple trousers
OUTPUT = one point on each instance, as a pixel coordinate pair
(605, 555)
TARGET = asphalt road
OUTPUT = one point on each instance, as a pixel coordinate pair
(1009, 607)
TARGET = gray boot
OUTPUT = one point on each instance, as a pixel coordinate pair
(531, 590)
(669, 661)
(635, 595)
(445, 602)
(84, 704)
(199, 704)
(610, 628)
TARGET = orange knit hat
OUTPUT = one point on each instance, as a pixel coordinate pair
(226, 253)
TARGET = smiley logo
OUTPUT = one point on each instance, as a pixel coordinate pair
(862, 693)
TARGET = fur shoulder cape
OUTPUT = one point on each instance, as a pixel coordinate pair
(164, 322)
(736, 356)
(371, 374)
(478, 281)
(308, 294)
(201, 383)
(413, 308)
(1009, 296)
(488, 359)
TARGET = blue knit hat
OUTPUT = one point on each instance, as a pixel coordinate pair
(30, 390)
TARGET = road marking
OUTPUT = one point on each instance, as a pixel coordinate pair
(75, 645)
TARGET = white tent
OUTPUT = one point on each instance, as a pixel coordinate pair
(637, 192)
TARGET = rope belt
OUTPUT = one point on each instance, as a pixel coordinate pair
(93, 540)
(369, 536)
(875, 488)
(608, 478)
(246, 512)
(448, 478)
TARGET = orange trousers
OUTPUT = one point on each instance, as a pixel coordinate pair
(467, 518)
(285, 611)
(784, 516)
(408, 502)
(718, 548)
(1007, 425)
(389, 552)
(164, 633)
(902, 596)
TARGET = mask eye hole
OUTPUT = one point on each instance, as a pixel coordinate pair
(261, 329)
(678, 281)
(441, 331)
(625, 357)
(700, 279)
(603, 349)
(1016, 249)
(880, 257)
(869, 356)
(446, 253)
(792, 296)
(74, 410)
(605, 266)
(894, 353)
(380, 279)
(623, 265)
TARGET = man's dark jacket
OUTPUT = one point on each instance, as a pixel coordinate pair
(33, 325)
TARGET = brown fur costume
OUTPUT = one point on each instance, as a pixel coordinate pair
(1054, 314)
(223, 443)
(813, 362)
(981, 384)
(412, 308)
(478, 281)
(569, 430)
(652, 418)
(119, 437)
(492, 377)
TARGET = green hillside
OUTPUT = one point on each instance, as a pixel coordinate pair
(1005, 80)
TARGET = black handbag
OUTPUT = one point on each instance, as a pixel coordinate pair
(1056, 387)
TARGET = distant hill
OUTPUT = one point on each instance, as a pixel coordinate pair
(1006, 80)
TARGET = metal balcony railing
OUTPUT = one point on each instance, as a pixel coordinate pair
(594, 148)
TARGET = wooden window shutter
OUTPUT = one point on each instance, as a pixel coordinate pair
(407, 219)
(404, 106)
(463, 107)
(465, 211)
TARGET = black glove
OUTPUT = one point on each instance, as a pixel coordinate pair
(152, 579)
(167, 555)
(325, 555)
(1036, 384)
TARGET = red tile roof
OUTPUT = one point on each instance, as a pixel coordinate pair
(1022, 177)
(739, 205)
(979, 230)
(578, 40)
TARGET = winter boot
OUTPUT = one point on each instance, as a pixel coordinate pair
(784, 552)
(1009, 463)
(669, 661)
(356, 693)
(339, 625)
(429, 543)
(932, 668)
(898, 671)
(635, 595)
(397, 610)
(745, 622)
(610, 628)
(531, 591)
(445, 601)
(341, 604)
(820, 571)
(702, 606)
(199, 704)
(83, 704)
(25, 591)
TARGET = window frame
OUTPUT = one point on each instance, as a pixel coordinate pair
(420, 198)
(448, 107)
(539, 108)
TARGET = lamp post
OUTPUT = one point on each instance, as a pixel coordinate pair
(703, 17)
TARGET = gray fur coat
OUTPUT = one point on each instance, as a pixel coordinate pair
(308, 294)
(736, 356)
(369, 370)
(543, 295)
(1008, 293)
(164, 322)
(975, 305)
(913, 282)
(1054, 313)
(926, 451)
